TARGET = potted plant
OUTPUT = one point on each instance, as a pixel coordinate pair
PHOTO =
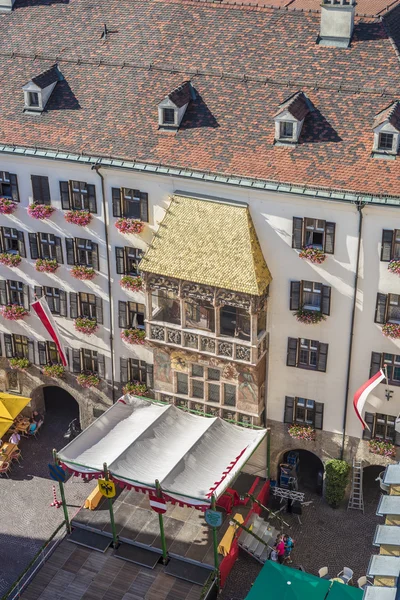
(314, 255)
(133, 336)
(40, 211)
(125, 225)
(78, 217)
(309, 316)
(10, 260)
(302, 432)
(56, 371)
(391, 330)
(134, 284)
(7, 206)
(135, 388)
(83, 273)
(19, 363)
(394, 266)
(336, 477)
(88, 380)
(13, 312)
(85, 325)
(382, 447)
(46, 265)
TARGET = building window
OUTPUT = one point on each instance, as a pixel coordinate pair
(387, 308)
(213, 393)
(199, 315)
(40, 189)
(286, 129)
(19, 346)
(78, 195)
(381, 427)
(390, 244)
(133, 369)
(167, 307)
(313, 232)
(229, 394)
(48, 354)
(307, 354)
(46, 246)
(385, 141)
(197, 388)
(56, 299)
(182, 386)
(130, 203)
(390, 363)
(168, 116)
(86, 305)
(12, 241)
(303, 412)
(88, 360)
(33, 98)
(213, 374)
(81, 251)
(14, 292)
(9, 186)
(127, 261)
(310, 295)
(131, 315)
(235, 322)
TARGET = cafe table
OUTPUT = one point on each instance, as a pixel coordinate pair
(6, 451)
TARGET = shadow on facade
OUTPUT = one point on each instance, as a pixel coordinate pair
(309, 470)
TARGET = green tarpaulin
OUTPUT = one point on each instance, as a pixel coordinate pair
(339, 591)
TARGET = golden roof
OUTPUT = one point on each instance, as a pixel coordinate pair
(209, 242)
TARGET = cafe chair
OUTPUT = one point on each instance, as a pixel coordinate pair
(346, 575)
(323, 573)
(363, 582)
(4, 468)
(16, 455)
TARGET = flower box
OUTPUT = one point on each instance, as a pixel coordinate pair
(55, 371)
(394, 266)
(83, 273)
(40, 211)
(391, 330)
(45, 265)
(314, 255)
(134, 284)
(302, 432)
(88, 380)
(10, 260)
(133, 336)
(13, 312)
(7, 206)
(78, 217)
(309, 317)
(126, 225)
(85, 325)
(135, 388)
(20, 363)
(383, 448)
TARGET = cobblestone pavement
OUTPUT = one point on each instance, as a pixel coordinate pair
(26, 519)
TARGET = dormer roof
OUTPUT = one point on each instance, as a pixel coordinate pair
(297, 105)
(390, 114)
(181, 95)
(46, 78)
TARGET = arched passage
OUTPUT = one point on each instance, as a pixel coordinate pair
(59, 408)
(309, 470)
(371, 487)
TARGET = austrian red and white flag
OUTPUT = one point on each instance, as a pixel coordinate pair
(361, 395)
(42, 310)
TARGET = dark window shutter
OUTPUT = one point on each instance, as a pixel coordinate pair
(396, 438)
(124, 370)
(297, 235)
(387, 244)
(91, 190)
(380, 309)
(63, 303)
(149, 375)
(95, 256)
(289, 407)
(326, 300)
(376, 358)
(34, 246)
(295, 287)
(292, 352)
(25, 291)
(144, 207)
(101, 366)
(99, 310)
(59, 254)
(31, 352)
(122, 316)
(119, 257)
(329, 238)
(73, 305)
(69, 244)
(1, 240)
(64, 194)
(116, 202)
(319, 415)
(14, 188)
(76, 361)
(3, 292)
(322, 357)
(369, 419)
(42, 353)
(21, 244)
(38, 290)
(40, 189)
(8, 346)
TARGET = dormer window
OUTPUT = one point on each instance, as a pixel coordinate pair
(39, 89)
(172, 109)
(33, 98)
(168, 116)
(385, 141)
(387, 131)
(286, 130)
(290, 118)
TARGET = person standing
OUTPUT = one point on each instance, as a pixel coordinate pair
(15, 438)
(289, 545)
(280, 548)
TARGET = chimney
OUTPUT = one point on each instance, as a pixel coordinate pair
(6, 5)
(337, 23)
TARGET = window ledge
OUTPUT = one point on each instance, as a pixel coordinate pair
(383, 155)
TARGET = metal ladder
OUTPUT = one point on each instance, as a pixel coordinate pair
(356, 495)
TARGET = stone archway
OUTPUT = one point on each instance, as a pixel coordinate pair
(371, 487)
(59, 407)
(310, 469)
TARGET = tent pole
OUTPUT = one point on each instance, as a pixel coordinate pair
(215, 541)
(64, 504)
(161, 524)
(268, 473)
(110, 508)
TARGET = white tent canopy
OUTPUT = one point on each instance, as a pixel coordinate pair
(192, 457)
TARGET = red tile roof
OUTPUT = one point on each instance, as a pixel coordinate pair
(391, 114)
(242, 64)
(296, 105)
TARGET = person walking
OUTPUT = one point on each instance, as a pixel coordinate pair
(274, 555)
(289, 545)
(280, 548)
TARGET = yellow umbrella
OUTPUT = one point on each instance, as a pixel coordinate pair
(11, 406)
(5, 425)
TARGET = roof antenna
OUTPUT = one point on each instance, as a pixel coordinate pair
(105, 32)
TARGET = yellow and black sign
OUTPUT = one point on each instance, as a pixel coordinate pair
(107, 488)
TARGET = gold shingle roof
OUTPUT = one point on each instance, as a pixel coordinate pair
(209, 242)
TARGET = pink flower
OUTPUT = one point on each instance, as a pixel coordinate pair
(125, 225)
(314, 255)
(85, 325)
(134, 284)
(135, 388)
(133, 336)
(394, 266)
(88, 380)
(13, 312)
(391, 330)
(78, 217)
(7, 206)
(45, 265)
(10, 260)
(309, 317)
(83, 273)
(40, 211)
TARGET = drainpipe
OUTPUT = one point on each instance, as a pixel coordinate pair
(110, 304)
(360, 206)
